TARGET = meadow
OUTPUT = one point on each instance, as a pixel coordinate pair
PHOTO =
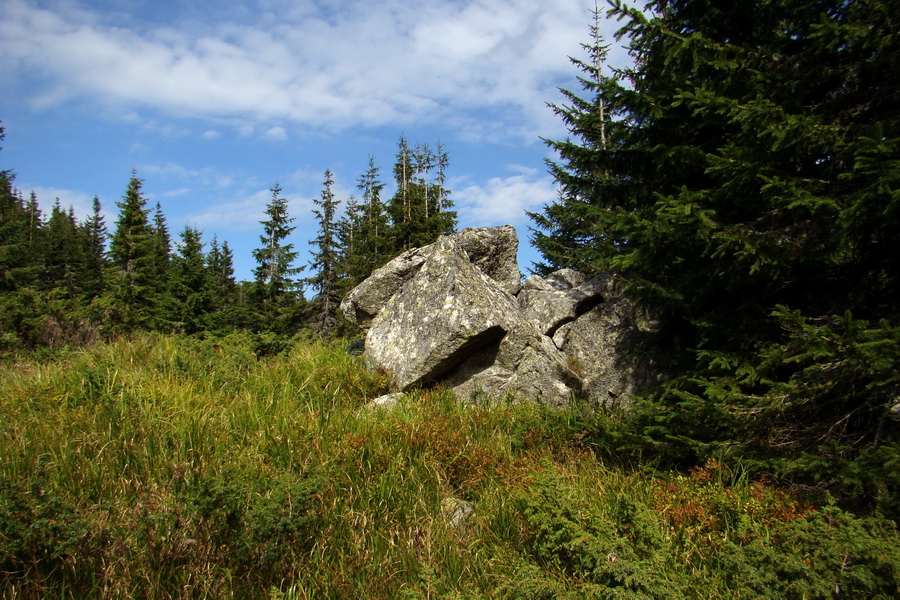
(165, 466)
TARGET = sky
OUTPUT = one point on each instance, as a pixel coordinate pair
(211, 103)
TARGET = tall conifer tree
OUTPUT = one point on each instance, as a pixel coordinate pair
(374, 247)
(133, 251)
(351, 260)
(275, 258)
(744, 174)
(93, 234)
(18, 269)
(191, 289)
(222, 287)
(420, 209)
(325, 260)
(64, 263)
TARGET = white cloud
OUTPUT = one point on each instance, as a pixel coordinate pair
(246, 212)
(175, 193)
(363, 64)
(173, 172)
(276, 134)
(81, 202)
(503, 200)
(239, 214)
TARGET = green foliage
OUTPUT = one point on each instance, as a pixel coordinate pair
(184, 467)
(42, 537)
(420, 209)
(729, 539)
(65, 260)
(60, 286)
(192, 285)
(368, 245)
(325, 260)
(817, 409)
(744, 176)
(275, 257)
(137, 281)
(259, 530)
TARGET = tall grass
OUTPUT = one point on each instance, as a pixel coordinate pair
(168, 467)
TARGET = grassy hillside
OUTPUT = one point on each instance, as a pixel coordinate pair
(167, 467)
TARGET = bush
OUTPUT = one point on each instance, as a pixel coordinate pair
(43, 537)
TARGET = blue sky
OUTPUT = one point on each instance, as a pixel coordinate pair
(214, 102)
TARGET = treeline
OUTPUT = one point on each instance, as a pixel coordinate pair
(65, 281)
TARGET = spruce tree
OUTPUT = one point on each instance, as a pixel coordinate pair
(220, 264)
(93, 234)
(166, 310)
(325, 261)
(275, 259)
(134, 255)
(420, 209)
(222, 288)
(16, 271)
(374, 241)
(64, 263)
(36, 232)
(743, 174)
(16, 268)
(21, 264)
(351, 265)
(191, 288)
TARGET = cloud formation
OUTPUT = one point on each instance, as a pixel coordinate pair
(504, 200)
(82, 204)
(355, 64)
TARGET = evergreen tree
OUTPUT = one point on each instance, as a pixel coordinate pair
(64, 263)
(93, 234)
(134, 254)
(16, 269)
(446, 218)
(374, 243)
(166, 310)
(351, 261)
(191, 286)
(400, 206)
(744, 173)
(21, 264)
(36, 233)
(222, 289)
(325, 261)
(220, 264)
(275, 258)
(571, 233)
(420, 210)
(162, 242)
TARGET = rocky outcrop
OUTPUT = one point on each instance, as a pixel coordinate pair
(491, 250)
(524, 363)
(449, 310)
(561, 297)
(455, 313)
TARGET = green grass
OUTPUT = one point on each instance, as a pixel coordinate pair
(167, 467)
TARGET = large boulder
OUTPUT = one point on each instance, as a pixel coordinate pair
(366, 300)
(455, 313)
(449, 310)
(604, 347)
(491, 250)
(525, 363)
(561, 297)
